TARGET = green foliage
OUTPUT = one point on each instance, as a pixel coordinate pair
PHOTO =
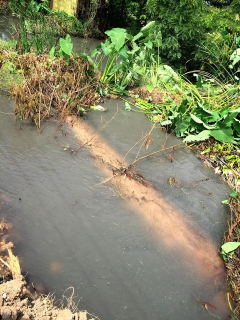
(88, 16)
(65, 49)
(36, 33)
(223, 126)
(214, 51)
(128, 57)
(195, 112)
(228, 249)
(182, 26)
(67, 23)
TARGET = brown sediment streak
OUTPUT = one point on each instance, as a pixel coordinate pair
(169, 225)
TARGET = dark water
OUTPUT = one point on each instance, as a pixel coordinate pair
(71, 231)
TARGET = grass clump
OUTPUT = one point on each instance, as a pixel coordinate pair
(52, 87)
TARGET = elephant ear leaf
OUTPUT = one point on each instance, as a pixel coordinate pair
(229, 247)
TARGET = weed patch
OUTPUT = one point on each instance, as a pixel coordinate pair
(52, 87)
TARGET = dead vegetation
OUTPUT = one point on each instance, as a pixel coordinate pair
(51, 87)
(232, 264)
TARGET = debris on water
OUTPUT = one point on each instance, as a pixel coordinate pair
(99, 108)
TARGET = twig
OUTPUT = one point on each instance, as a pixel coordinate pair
(4, 262)
(155, 152)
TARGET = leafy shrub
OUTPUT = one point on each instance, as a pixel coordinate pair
(182, 26)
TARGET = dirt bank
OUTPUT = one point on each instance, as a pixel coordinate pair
(19, 301)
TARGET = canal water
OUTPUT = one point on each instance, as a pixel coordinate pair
(71, 229)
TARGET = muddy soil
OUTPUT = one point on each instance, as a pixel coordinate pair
(19, 301)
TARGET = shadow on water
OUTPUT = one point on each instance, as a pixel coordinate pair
(69, 230)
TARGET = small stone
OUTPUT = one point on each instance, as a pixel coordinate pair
(8, 313)
(4, 295)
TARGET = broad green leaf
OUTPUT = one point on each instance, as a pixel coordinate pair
(222, 135)
(215, 116)
(94, 52)
(66, 45)
(149, 44)
(123, 53)
(107, 48)
(205, 134)
(236, 125)
(118, 37)
(137, 36)
(203, 108)
(230, 246)
(196, 119)
(235, 57)
(182, 125)
(148, 27)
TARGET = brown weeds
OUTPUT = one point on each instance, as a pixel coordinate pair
(53, 87)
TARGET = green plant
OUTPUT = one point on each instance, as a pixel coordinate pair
(124, 58)
(235, 59)
(87, 14)
(65, 49)
(67, 23)
(35, 32)
(228, 249)
(182, 26)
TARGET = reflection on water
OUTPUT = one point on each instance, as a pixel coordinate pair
(71, 231)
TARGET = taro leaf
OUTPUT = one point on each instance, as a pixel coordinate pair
(149, 44)
(123, 53)
(222, 135)
(198, 120)
(236, 125)
(148, 27)
(118, 37)
(182, 125)
(205, 134)
(107, 47)
(201, 107)
(94, 52)
(66, 45)
(230, 246)
(137, 36)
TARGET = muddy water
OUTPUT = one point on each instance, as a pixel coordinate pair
(71, 231)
